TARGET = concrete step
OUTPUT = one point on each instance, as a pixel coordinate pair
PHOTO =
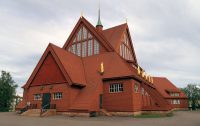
(31, 112)
(49, 112)
(105, 112)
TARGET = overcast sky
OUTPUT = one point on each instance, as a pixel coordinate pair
(165, 33)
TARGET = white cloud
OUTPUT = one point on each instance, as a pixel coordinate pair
(165, 33)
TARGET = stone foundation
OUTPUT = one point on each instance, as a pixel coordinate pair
(125, 113)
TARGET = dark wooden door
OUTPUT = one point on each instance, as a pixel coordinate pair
(100, 101)
(46, 100)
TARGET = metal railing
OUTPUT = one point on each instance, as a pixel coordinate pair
(43, 109)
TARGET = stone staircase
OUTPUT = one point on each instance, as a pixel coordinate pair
(105, 113)
(37, 113)
(49, 112)
(32, 112)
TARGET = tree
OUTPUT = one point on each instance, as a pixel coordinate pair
(193, 93)
(7, 91)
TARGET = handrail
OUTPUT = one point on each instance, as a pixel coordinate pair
(43, 108)
(46, 105)
(23, 109)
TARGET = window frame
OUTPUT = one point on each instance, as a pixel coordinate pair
(116, 88)
(142, 91)
(83, 35)
(57, 95)
(137, 88)
(36, 98)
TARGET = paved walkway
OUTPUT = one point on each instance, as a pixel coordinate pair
(180, 118)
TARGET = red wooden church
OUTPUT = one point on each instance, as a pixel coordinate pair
(96, 70)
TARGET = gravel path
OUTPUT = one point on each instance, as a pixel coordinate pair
(180, 118)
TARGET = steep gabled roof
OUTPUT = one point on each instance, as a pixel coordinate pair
(93, 30)
(72, 65)
(69, 68)
(115, 35)
(163, 85)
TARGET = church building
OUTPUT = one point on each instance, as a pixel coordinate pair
(96, 71)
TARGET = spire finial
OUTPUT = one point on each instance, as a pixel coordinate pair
(99, 17)
(126, 20)
(81, 14)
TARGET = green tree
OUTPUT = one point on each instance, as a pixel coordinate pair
(193, 93)
(7, 91)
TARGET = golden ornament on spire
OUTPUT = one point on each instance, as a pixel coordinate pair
(102, 68)
(143, 73)
(81, 14)
(146, 76)
(149, 78)
(138, 69)
(152, 80)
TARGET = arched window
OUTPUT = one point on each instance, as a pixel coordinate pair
(84, 44)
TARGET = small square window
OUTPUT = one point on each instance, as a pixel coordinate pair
(116, 87)
(136, 88)
(37, 97)
(57, 95)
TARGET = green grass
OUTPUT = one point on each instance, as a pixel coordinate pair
(153, 115)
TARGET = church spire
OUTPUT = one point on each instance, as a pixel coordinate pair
(99, 25)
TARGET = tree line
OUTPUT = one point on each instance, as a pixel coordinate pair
(193, 93)
(7, 91)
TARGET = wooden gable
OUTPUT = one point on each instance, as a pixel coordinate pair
(48, 60)
(48, 73)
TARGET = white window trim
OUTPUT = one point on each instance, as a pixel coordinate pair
(37, 97)
(116, 87)
(137, 88)
(57, 95)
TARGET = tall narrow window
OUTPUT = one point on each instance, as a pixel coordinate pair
(89, 47)
(89, 35)
(74, 49)
(142, 91)
(79, 34)
(120, 50)
(96, 47)
(78, 49)
(74, 40)
(84, 49)
(84, 44)
(136, 88)
(84, 33)
(125, 49)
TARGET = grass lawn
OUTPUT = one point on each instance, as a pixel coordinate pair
(153, 115)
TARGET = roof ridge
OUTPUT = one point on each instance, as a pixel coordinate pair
(115, 26)
(100, 34)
